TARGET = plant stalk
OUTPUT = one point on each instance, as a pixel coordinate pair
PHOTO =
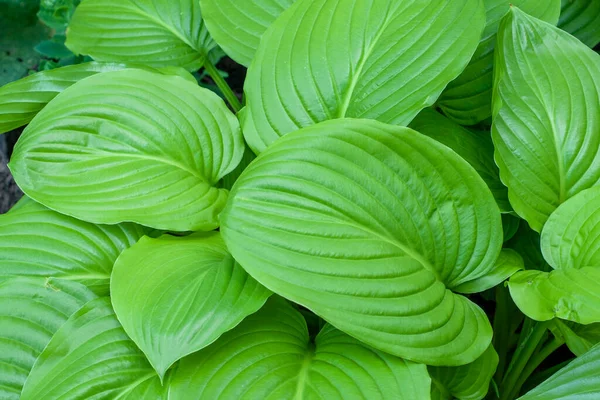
(537, 359)
(231, 98)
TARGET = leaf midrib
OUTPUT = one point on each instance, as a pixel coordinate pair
(303, 373)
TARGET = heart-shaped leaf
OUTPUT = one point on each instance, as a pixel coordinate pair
(556, 114)
(369, 225)
(91, 357)
(176, 295)
(36, 241)
(134, 146)
(381, 59)
(270, 356)
(32, 309)
(238, 25)
(468, 99)
(157, 33)
(581, 18)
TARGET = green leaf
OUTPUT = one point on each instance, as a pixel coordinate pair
(546, 127)
(468, 99)
(579, 380)
(32, 309)
(579, 338)
(368, 225)
(475, 147)
(36, 241)
(467, 382)
(176, 295)
(570, 245)
(20, 101)
(581, 18)
(383, 60)
(157, 33)
(91, 357)
(526, 242)
(270, 356)
(238, 25)
(510, 226)
(506, 265)
(134, 146)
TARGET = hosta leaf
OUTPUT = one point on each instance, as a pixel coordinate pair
(270, 356)
(547, 125)
(475, 147)
(134, 146)
(579, 338)
(510, 226)
(383, 60)
(506, 265)
(36, 241)
(369, 225)
(157, 33)
(579, 380)
(32, 309)
(238, 25)
(176, 295)
(91, 357)
(570, 244)
(581, 18)
(467, 382)
(526, 242)
(468, 99)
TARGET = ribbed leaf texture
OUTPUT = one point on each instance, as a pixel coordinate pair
(581, 18)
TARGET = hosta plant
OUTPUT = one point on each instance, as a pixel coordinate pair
(403, 204)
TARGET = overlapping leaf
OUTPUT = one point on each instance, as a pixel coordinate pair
(270, 356)
(581, 18)
(157, 33)
(36, 241)
(368, 225)
(507, 264)
(176, 295)
(131, 145)
(579, 338)
(468, 99)
(238, 25)
(547, 115)
(383, 60)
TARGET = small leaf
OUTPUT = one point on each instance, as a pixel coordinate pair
(510, 226)
(270, 356)
(579, 338)
(526, 242)
(176, 295)
(134, 146)
(581, 18)
(507, 265)
(157, 33)
(36, 241)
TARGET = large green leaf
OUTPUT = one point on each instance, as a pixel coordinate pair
(177, 295)
(36, 241)
(381, 59)
(581, 18)
(131, 145)
(270, 356)
(468, 99)
(467, 382)
(20, 101)
(547, 125)
(153, 32)
(32, 309)
(369, 225)
(571, 245)
(238, 25)
(475, 147)
(91, 357)
(580, 380)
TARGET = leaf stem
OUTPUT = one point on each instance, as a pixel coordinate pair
(232, 99)
(537, 359)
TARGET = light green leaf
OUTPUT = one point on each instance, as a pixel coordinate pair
(547, 125)
(368, 225)
(581, 18)
(506, 265)
(381, 59)
(91, 357)
(475, 147)
(134, 146)
(579, 338)
(176, 295)
(32, 309)
(467, 382)
(468, 99)
(580, 380)
(36, 241)
(157, 33)
(270, 356)
(238, 25)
